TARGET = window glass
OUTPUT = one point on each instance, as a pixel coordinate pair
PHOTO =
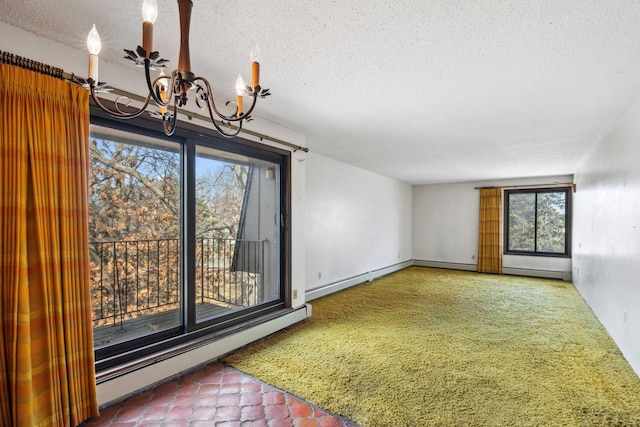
(536, 221)
(551, 220)
(134, 232)
(237, 233)
(522, 211)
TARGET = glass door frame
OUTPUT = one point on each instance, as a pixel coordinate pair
(189, 136)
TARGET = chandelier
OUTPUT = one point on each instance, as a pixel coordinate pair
(169, 92)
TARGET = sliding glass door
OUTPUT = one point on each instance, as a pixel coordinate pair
(185, 236)
(237, 232)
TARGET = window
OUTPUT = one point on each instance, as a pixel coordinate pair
(537, 221)
(187, 236)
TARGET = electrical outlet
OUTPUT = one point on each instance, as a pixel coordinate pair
(473, 257)
(319, 275)
(625, 314)
(295, 294)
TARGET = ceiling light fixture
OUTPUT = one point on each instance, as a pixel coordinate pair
(178, 83)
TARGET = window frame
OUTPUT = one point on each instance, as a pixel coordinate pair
(191, 333)
(567, 226)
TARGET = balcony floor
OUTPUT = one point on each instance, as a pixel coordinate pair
(149, 323)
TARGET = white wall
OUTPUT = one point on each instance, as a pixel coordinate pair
(356, 221)
(606, 248)
(446, 224)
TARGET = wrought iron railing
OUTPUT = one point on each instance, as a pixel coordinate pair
(230, 271)
(139, 277)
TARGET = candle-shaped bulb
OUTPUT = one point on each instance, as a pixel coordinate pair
(150, 11)
(255, 53)
(162, 84)
(94, 45)
(93, 41)
(241, 87)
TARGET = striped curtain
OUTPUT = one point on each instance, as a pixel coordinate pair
(46, 348)
(490, 238)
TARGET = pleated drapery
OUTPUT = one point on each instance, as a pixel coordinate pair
(46, 349)
(490, 238)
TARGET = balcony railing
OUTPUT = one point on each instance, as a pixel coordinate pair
(134, 278)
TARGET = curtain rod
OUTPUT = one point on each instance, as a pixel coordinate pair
(192, 115)
(39, 67)
(555, 184)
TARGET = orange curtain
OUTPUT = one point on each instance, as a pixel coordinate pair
(490, 238)
(46, 349)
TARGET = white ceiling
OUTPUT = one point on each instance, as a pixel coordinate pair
(425, 91)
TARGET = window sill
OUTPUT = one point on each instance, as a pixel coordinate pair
(534, 254)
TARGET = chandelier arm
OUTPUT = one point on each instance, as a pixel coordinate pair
(228, 122)
(211, 104)
(223, 132)
(247, 113)
(169, 122)
(152, 85)
(118, 112)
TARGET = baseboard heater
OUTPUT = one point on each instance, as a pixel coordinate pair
(545, 274)
(330, 288)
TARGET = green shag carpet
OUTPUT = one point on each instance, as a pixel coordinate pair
(428, 347)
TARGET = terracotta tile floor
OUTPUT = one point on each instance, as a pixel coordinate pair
(216, 395)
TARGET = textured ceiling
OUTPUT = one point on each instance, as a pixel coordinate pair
(424, 91)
